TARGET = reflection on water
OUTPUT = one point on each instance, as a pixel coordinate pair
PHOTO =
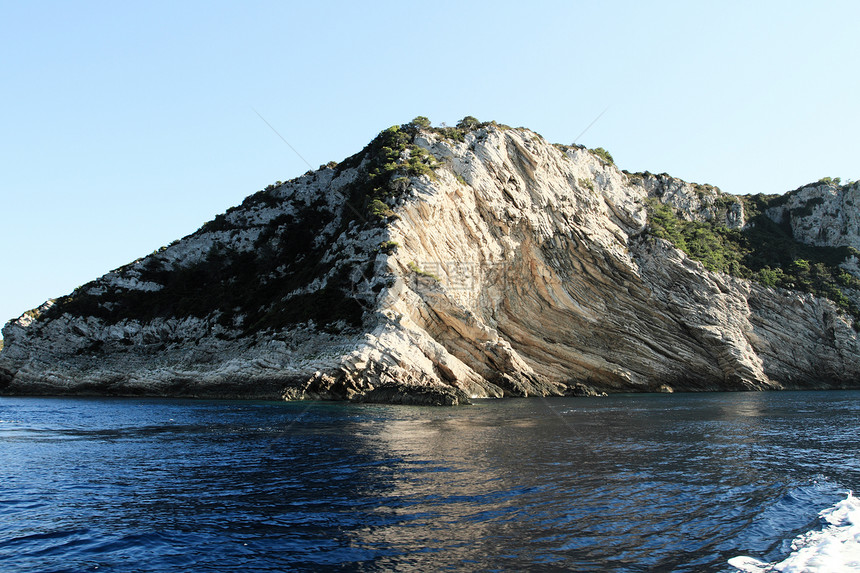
(626, 483)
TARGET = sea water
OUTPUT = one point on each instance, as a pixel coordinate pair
(683, 482)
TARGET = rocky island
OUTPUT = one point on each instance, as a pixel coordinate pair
(449, 263)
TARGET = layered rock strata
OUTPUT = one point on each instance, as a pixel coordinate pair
(511, 267)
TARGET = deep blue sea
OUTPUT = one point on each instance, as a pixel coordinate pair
(678, 482)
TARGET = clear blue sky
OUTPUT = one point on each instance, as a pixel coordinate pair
(126, 125)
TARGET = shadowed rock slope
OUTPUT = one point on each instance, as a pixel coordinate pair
(480, 261)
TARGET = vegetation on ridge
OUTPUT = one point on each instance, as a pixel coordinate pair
(603, 154)
(251, 290)
(390, 158)
(246, 289)
(763, 251)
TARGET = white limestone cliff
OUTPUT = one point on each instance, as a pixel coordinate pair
(516, 269)
(822, 214)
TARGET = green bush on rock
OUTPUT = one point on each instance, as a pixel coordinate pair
(603, 154)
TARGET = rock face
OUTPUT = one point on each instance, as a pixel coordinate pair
(481, 262)
(822, 214)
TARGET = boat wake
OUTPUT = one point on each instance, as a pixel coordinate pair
(833, 549)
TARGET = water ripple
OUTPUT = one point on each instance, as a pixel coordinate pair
(660, 483)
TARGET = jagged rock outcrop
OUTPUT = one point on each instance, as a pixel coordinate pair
(693, 202)
(822, 214)
(440, 265)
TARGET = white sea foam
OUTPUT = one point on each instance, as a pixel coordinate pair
(833, 549)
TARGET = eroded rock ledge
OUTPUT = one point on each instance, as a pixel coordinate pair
(442, 265)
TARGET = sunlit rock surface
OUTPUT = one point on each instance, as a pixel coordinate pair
(515, 268)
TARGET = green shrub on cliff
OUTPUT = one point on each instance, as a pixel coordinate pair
(830, 180)
(421, 163)
(603, 154)
(764, 252)
(388, 247)
(380, 210)
(458, 133)
(388, 159)
(413, 266)
(421, 122)
(468, 123)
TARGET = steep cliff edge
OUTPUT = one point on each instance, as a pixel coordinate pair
(442, 264)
